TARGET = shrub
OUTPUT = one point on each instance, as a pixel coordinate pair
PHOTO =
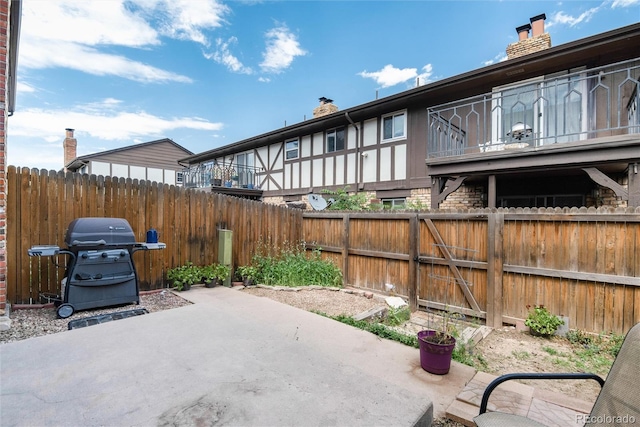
(540, 321)
(294, 266)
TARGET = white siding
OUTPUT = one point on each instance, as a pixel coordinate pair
(137, 172)
(277, 177)
(370, 129)
(170, 177)
(351, 168)
(318, 144)
(351, 138)
(156, 175)
(287, 176)
(121, 171)
(385, 164)
(295, 175)
(369, 167)
(263, 158)
(100, 168)
(401, 162)
(306, 174)
(339, 170)
(305, 146)
(328, 171)
(275, 156)
(317, 173)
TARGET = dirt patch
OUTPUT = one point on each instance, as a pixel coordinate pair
(503, 351)
(507, 350)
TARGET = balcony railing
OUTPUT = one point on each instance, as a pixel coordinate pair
(566, 108)
(221, 175)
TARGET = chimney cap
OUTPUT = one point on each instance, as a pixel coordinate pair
(69, 129)
(537, 18)
(325, 100)
(521, 28)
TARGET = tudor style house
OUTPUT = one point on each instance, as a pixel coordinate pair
(548, 127)
(151, 161)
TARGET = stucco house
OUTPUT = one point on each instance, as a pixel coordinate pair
(152, 161)
(550, 126)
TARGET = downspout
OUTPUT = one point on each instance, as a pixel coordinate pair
(358, 159)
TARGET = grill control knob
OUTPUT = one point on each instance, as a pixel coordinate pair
(85, 256)
(123, 254)
(104, 254)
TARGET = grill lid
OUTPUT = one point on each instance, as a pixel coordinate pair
(99, 231)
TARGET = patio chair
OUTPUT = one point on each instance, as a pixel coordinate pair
(617, 404)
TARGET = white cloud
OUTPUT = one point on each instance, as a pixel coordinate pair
(223, 56)
(624, 3)
(72, 33)
(561, 18)
(282, 48)
(85, 22)
(23, 87)
(500, 57)
(425, 76)
(391, 76)
(105, 120)
(89, 60)
(185, 19)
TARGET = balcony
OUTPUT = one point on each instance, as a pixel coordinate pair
(567, 108)
(222, 176)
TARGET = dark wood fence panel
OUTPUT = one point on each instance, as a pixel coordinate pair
(41, 204)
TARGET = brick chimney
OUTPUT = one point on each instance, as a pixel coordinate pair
(525, 45)
(325, 108)
(69, 145)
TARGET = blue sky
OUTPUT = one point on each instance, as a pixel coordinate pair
(208, 73)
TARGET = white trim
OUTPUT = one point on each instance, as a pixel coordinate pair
(393, 116)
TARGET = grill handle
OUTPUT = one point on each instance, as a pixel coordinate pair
(89, 242)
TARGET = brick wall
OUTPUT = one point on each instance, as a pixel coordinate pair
(530, 45)
(4, 43)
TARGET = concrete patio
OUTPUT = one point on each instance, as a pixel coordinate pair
(228, 359)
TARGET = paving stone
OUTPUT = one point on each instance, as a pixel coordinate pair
(553, 415)
(462, 412)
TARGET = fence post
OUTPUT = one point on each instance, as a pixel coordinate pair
(345, 249)
(414, 232)
(495, 264)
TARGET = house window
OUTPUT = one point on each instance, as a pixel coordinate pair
(291, 149)
(245, 169)
(394, 126)
(179, 178)
(398, 203)
(335, 140)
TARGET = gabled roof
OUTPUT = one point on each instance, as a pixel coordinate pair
(82, 160)
(605, 48)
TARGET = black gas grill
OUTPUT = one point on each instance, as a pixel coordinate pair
(100, 271)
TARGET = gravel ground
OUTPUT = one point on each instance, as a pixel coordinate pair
(28, 323)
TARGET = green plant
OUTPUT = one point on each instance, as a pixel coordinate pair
(221, 271)
(343, 201)
(293, 265)
(247, 272)
(540, 321)
(182, 277)
(397, 316)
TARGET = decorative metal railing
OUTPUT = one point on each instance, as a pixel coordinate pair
(221, 175)
(565, 108)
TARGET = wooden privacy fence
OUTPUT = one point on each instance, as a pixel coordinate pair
(492, 264)
(41, 204)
